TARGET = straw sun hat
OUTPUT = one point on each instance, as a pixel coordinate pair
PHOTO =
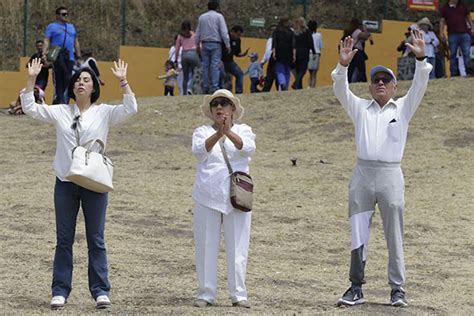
(425, 21)
(222, 93)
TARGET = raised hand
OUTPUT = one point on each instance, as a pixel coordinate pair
(120, 69)
(219, 126)
(34, 67)
(346, 53)
(418, 43)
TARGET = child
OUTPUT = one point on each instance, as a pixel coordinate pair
(255, 72)
(170, 78)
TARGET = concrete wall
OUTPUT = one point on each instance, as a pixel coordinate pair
(146, 63)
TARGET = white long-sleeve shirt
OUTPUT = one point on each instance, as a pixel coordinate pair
(93, 124)
(381, 133)
(268, 51)
(212, 185)
(431, 43)
(318, 42)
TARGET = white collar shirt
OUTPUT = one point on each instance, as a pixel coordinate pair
(93, 124)
(381, 133)
(212, 185)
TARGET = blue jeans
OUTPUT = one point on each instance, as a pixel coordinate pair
(189, 61)
(211, 57)
(234, 69)
(67, 199)
(458, 40)
(282, 71)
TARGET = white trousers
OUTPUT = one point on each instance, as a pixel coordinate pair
(207, 232)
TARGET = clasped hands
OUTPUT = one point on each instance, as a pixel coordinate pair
(224, 125)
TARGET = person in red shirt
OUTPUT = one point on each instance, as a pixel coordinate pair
(456, 16)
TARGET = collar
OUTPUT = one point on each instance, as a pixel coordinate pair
(374, 103)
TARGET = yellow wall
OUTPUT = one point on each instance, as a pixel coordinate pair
(146, 63)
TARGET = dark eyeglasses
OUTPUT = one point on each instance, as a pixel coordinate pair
(385, 80)
(64, 14)
(75, 122)
(222, 101)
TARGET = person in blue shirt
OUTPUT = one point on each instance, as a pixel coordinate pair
(62, 34)
(255, 72)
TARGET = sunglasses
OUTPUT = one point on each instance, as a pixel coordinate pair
(385, 80)
(75, 122)
(64, 14)
(222, 101)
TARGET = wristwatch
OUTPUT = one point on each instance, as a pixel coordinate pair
(421, 58)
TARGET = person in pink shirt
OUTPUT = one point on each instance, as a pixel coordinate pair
(189, 56)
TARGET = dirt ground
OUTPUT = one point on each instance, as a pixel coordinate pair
(300, 240)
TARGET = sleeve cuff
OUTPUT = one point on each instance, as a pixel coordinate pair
(26, 94)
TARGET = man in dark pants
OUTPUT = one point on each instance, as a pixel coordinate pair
(267, 57)
(64, 35)
(230, 66)
(42, 79)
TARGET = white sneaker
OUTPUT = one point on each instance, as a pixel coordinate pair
(58, 302)
(102, 301)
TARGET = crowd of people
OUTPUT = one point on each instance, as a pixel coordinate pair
(381, 126)
(457, 47)
(202, 61)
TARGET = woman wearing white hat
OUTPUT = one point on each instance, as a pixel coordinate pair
(431, 43)
(212, 201)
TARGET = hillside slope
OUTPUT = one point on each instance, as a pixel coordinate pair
(300, 237)
(105, 25)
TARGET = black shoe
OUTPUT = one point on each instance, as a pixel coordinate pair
(244, 304)
(397, 297)
(353, 296)
(201, 303)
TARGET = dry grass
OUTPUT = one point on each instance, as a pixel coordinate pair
(300, 241)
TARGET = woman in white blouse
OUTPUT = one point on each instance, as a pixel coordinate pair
(92, 121)
(212, 206)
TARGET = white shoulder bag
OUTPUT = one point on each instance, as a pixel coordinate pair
(89, 169)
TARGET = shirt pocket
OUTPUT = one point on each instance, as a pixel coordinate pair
(394, 131)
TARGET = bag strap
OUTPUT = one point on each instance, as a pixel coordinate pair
(65, 35)
(224, 153)
(91, 143)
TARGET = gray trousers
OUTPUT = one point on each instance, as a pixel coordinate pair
(381, 183)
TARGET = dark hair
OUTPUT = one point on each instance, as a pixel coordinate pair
(283, 24)
(237, 29)
(96, 86)
(58, 10)
(213, 5)
(312, 26)
(185, 29)
(39, 41)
